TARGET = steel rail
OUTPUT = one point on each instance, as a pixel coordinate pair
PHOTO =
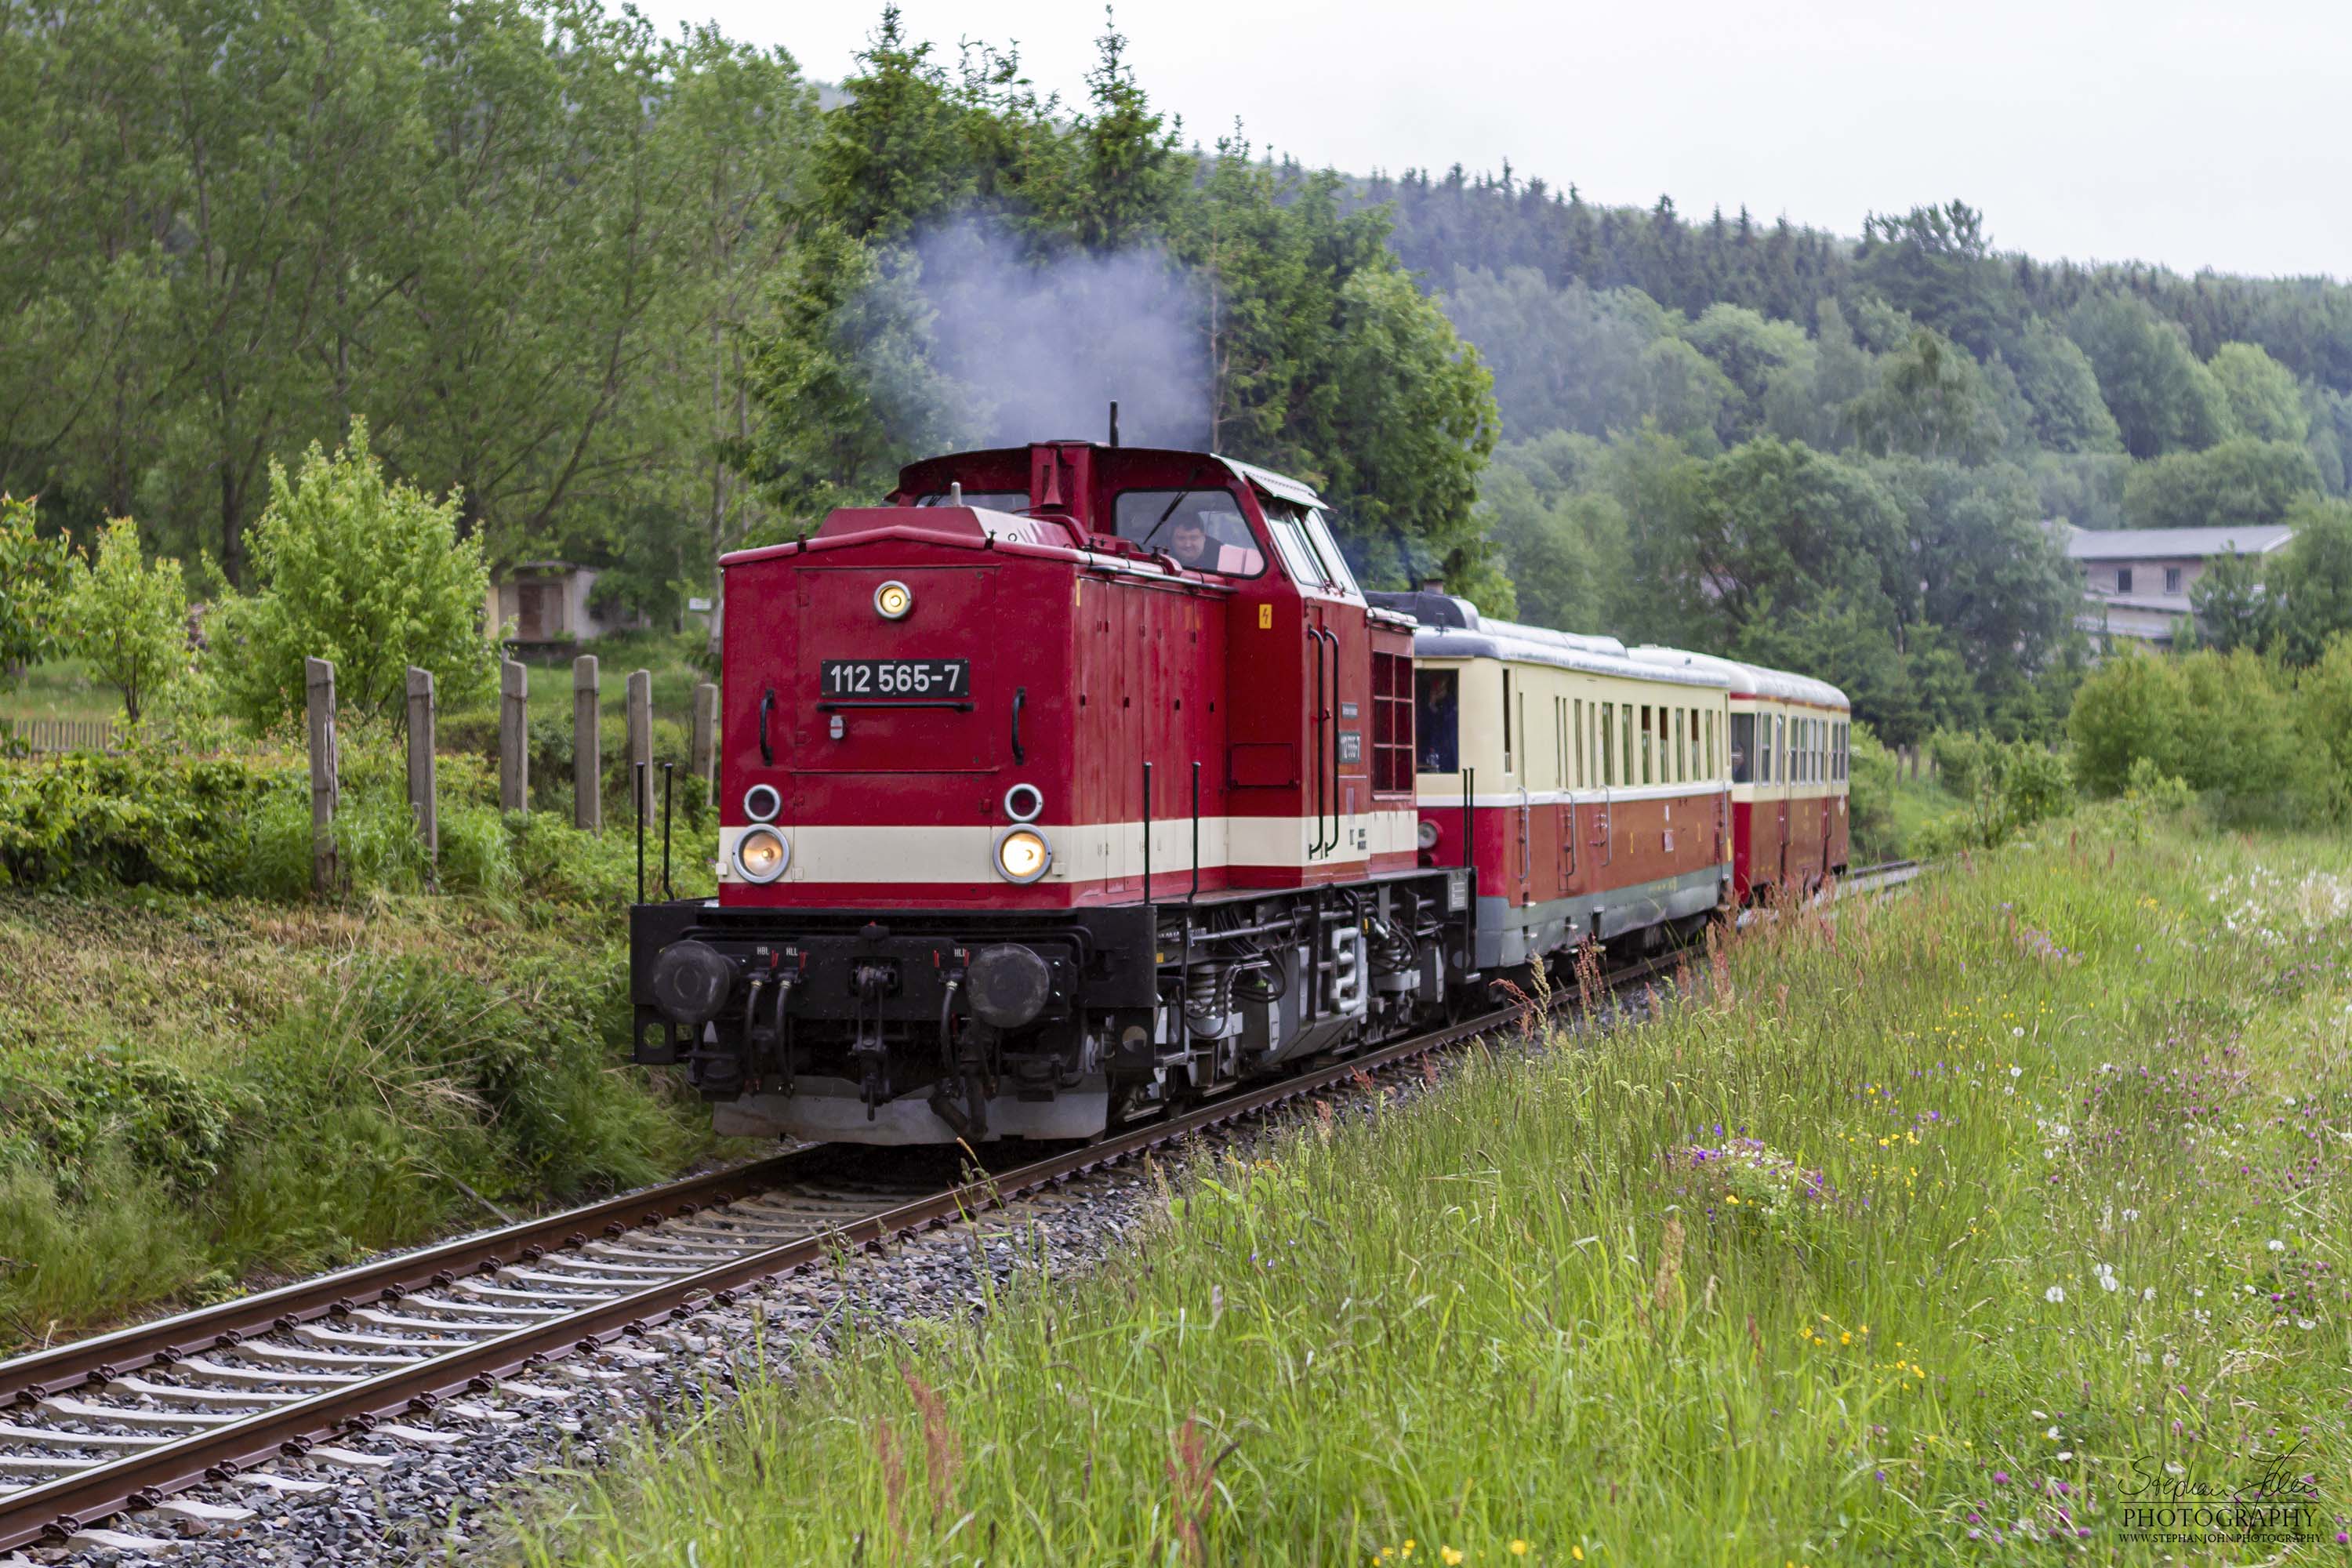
(62, 1506)
(105, 1357)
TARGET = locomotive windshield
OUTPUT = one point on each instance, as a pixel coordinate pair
(1203, 529)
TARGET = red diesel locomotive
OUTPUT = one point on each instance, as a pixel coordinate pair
(1078, 782)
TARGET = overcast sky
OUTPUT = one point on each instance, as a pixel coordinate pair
(2193, 135)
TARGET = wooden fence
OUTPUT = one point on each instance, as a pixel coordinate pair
(65, 734)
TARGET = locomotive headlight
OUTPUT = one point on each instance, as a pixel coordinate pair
(893, 600)
(1023, 854)
(762, 855)
(1428, 834)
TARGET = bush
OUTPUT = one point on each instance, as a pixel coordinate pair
(2232, 726)
(368, 574)
(2005, 787)
(1870, 803)
(128, 619)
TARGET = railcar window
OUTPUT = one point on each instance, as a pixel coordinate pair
(1507, 720)
(1437, 720)
(1203, 529)
(990, 501)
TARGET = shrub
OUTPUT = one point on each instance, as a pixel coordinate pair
(32, 586)
(367, 572)
(128, 619)
(1871, 795)
(2005, 787)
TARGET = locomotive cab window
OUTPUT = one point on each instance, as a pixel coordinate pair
(987, 501)
(1437, 720)
(1202, 529)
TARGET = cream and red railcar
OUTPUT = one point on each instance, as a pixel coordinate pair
(1598, 783)
(1790, 743)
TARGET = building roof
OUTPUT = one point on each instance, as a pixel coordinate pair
(2171, 544)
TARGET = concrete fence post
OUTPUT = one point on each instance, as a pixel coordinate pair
(514, 737)
(706, 736)
(318, 682)
(641, 740)
(422, 797)
(587, 747)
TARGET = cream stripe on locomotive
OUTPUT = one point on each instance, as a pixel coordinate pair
(1089, 852)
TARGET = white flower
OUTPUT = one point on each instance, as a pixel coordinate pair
(2055, 1293)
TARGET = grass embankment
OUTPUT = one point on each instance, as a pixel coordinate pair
(207, 1076)
(198, 1091)
(1912, 1238)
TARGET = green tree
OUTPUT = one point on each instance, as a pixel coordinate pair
(33, 581)
(2264, 397)
(2062, 391)
(128, 619)
(2311, 579)
(2162, 398)
(2237, 483)
(355, 568)
(2233, 608)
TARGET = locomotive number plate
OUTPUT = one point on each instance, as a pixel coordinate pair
(895, 677)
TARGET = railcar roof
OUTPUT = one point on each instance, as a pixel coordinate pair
(1748, 679)
(1453, 628)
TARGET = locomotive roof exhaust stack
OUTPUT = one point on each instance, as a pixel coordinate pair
(1114, 421)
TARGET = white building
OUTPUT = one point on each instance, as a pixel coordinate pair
(2135, 580)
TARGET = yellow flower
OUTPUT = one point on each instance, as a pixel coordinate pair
(1518, 1547)
(1451, 1556)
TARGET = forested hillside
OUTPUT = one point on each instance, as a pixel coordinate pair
(1840, 454)
(636, 298)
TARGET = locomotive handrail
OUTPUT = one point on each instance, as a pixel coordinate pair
(1332, 637)
(1322, 717)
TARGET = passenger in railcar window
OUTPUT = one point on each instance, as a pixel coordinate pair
(1437, 720)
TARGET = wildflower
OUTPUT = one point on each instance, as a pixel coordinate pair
(2055, 1294)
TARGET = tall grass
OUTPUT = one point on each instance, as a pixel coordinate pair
(1904, 1237)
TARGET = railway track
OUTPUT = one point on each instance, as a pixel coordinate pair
(124, 1421)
